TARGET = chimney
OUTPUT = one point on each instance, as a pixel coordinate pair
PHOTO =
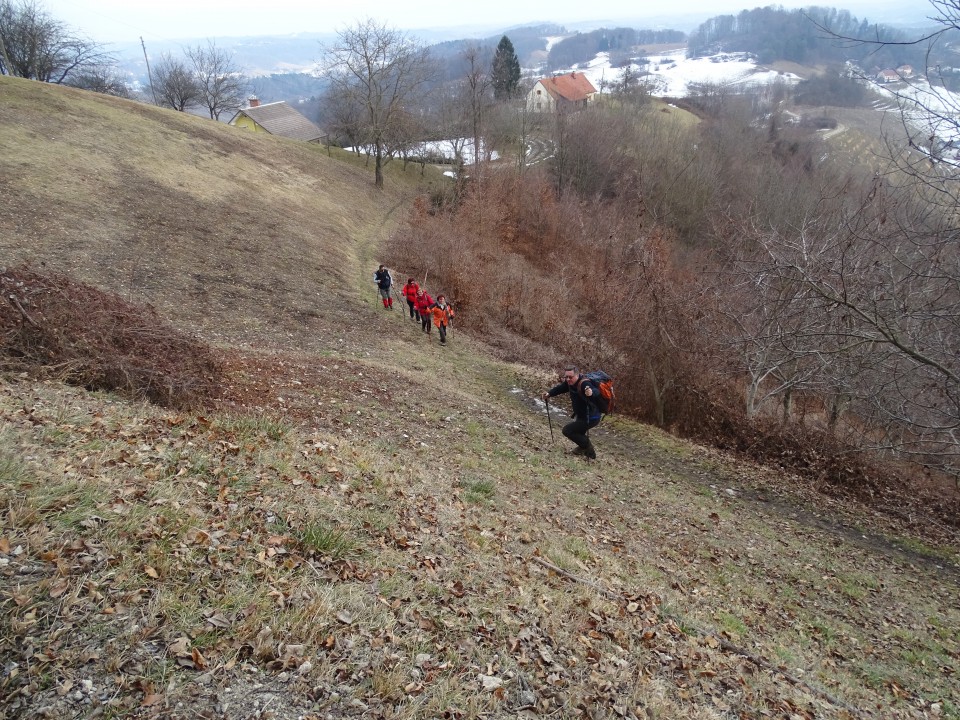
(253, 101)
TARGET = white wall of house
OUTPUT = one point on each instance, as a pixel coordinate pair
(539, 100)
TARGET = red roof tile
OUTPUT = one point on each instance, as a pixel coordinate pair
(572, 86)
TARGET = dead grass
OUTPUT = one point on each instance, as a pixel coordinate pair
(411, 592)
(175, 210)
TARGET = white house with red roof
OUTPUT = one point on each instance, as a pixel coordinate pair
(561, 93)
(887, 76)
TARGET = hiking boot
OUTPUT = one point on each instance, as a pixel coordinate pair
(590, 452)
(578, 451)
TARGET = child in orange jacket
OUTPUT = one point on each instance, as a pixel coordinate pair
(442, 315)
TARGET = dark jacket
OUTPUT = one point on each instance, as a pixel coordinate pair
(383, 279)
(583, 407)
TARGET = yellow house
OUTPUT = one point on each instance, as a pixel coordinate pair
(276, 118)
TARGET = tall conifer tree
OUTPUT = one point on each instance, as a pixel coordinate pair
(505, 73)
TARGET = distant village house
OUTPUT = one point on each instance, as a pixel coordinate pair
(561, 94)
(887, 76)
(276, 118)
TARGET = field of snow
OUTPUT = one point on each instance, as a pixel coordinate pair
(934, 111)
(673, 74)
(445, 150)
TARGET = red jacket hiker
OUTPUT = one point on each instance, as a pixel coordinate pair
(410, 290)
(423, 304)
(410, 293)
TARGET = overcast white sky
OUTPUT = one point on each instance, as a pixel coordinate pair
(126, 20)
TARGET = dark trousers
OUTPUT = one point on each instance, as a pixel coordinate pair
(425, 319)
(413, 310)
(577, 432)
(443, 333)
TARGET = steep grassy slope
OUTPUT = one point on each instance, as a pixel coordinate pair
(224, 231)
(365, 524)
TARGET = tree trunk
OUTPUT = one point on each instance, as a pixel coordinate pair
(787, 405)
(378, 166)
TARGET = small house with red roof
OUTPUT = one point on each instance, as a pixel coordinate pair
(887, 76)
(561, 93)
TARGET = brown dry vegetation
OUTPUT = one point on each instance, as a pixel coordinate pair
(54, 327)
(363, 524)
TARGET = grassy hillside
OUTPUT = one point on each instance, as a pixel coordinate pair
(224, 231)
(364, 524)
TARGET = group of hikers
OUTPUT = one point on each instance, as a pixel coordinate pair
(590, 393)
(423, 308)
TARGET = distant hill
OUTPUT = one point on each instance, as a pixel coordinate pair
(774, 33)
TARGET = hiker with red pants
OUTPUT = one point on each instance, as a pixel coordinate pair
(442, 315)
(586, 413)
(384, 283)
(410, 293)
(423, 304)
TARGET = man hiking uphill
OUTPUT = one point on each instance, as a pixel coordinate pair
(586, 413)
(384, 282)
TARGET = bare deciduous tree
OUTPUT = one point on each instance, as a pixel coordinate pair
(343, 115)
(102, 79)
(175, 85)
(35, 45)
(383, 70)
(221, 82)
(884, 281)
(476, 87)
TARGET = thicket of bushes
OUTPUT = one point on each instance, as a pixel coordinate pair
(54, 327)
(643, 250)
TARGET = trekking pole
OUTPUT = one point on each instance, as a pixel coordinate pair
(549, 419)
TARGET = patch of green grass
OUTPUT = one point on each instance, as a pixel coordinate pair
(826, 633)
(378, 520)
(249, 427)
(12, 471)
(480, 491)
(325, 540)
(578, 548)
(871, 674)
(921, 548)
(784, 655)
(852, 590)
(732, 624)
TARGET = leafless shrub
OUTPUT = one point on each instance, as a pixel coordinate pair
(54, 327)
